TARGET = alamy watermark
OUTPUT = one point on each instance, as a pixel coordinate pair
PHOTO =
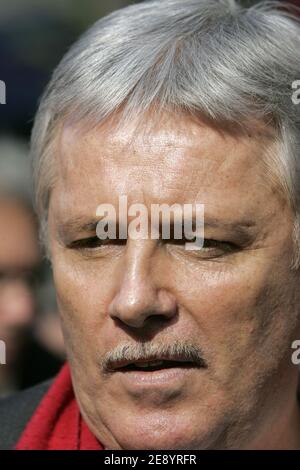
(187, 222)
(2, 352)
(2, 92)
(296, 353)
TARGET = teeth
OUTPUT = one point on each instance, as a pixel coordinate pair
(148, 364)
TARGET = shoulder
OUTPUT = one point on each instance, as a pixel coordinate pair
(16, 411)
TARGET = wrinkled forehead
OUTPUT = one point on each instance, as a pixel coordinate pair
(177, 160)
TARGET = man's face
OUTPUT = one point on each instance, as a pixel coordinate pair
(235, 299)
(19, 256)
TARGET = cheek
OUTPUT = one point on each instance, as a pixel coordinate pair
(83, 292)
(242, 314)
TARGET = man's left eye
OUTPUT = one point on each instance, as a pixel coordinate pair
(211, 248)
(217, 248)
(210, 243)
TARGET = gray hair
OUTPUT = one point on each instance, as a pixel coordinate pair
(213, 58)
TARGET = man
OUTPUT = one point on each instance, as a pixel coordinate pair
(171, 102)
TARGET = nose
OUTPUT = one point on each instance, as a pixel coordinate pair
(137, 297)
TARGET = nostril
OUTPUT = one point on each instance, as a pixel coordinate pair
(133, 321)
(148, 322)
(158, 318)
(139, 299)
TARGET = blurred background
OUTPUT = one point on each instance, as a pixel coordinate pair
(34, 35)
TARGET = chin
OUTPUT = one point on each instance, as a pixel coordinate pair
(161, 441)
(161, 431)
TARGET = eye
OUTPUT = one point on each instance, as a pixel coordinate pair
(210, 243)
(216, 248)
(93, 243)
(211, 248)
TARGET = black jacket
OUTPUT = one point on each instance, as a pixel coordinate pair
(16, 411)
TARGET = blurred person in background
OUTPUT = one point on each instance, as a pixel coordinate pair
(20, 268)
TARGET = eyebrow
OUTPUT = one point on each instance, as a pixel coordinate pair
(239, 224)
(243, 229)
(69, 228)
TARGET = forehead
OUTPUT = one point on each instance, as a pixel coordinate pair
(179, 160)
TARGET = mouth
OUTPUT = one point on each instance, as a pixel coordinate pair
(159, 374)
(151, 365)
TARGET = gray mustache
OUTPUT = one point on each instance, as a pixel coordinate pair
(183, 350)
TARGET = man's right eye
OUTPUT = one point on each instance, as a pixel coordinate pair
(93, 243)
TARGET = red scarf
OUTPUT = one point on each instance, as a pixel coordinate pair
(57, 423)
